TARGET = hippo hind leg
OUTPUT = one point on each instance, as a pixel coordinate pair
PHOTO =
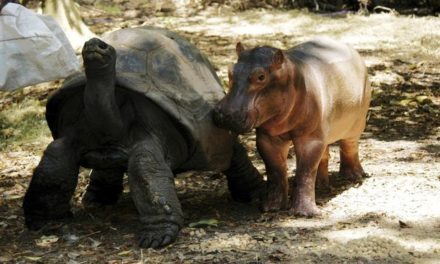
(322, 180)
(350, 166)
(244, 181)
(104, 188)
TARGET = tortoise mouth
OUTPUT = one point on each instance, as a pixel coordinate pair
(98, 54)
(96, 59)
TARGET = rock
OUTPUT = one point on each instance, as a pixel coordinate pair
(132, 13)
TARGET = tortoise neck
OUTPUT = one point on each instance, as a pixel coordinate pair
(101, 109)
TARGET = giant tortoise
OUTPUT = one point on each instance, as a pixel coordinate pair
(143, 106)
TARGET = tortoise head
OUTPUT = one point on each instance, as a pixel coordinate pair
(98, 56)
(257, 89)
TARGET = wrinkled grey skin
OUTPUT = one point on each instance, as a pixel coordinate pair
(113, 121)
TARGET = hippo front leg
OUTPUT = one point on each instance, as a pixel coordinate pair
(52, 185)
(152, 187)
(309, 152)
(273, 151)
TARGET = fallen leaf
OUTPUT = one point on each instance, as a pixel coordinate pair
(95, 243)
(123, 253)
(46, 241)
(423, 99)
(71, 238)
(73, 255)
(204, 222)
(32, 258)
(403, 224)
(4, 259)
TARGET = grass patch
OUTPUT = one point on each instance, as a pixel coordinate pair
(23, 124)
(109, 8)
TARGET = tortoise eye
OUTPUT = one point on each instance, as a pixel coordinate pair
(261, 77)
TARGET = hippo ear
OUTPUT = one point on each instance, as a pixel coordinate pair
(239, 48)
(277, 60)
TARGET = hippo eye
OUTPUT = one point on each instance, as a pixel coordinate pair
(258, 77)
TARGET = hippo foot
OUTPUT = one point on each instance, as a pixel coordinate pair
(324, 189)
(158, 235)
(38, 222)
(306, 209)
(323, 186)
(97, 199)
(355, 175)
(275, 202)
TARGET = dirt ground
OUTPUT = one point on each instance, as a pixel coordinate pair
(392, 217)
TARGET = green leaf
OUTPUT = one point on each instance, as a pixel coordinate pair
(204, 222)
(123, 253)
(32, 258)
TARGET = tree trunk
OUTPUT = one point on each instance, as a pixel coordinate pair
(66, 13)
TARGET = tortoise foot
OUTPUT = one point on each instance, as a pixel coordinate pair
(34, 222)
(254, 195)
(96, 199)
(158, 235)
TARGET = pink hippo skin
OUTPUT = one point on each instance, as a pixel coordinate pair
(313, 94)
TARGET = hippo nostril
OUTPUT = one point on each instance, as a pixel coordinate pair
(102, 45)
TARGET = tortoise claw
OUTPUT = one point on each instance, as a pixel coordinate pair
(166, 240)
(158, 235)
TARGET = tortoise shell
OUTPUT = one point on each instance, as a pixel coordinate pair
(167, 69)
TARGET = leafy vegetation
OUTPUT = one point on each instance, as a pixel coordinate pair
(23, 124)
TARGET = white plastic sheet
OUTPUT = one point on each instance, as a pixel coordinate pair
(33, 49)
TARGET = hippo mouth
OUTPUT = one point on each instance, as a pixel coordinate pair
(239, 124)
(244, 126)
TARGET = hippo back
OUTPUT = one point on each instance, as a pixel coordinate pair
(337, 76)
(329, 60)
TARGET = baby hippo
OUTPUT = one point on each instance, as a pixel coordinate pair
(313, 94)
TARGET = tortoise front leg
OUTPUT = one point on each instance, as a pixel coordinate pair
(105, 187)
(244, 181)
(52, 185)
(152, 187)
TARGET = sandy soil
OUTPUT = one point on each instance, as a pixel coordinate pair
(392, 217)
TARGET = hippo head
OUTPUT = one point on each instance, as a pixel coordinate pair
(258, 89)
